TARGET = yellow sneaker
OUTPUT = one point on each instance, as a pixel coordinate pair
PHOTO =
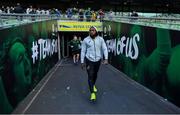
(95, 89)
(93, 97)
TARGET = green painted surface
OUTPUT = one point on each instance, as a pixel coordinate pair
(20, 68)
(157, 65)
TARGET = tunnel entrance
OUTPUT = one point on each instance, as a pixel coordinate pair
(65, 38)
(67, 29)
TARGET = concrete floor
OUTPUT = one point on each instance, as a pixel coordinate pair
(65, 90)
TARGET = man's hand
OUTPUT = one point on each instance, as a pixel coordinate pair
(83, 66)
(105, 62)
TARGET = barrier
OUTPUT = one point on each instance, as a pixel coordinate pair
(148, 55)
(27, 53)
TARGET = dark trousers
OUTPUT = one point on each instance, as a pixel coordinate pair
(92, 70)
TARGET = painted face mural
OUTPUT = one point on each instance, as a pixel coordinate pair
(21, 70)
(21, 63)
(148, 55)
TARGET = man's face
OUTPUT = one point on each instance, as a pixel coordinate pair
(21, 64)
(75, 37)
(92, 32)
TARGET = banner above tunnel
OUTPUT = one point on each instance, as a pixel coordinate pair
(75, 26)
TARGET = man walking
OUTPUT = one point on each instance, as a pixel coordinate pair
(92, 50)
(74, 44)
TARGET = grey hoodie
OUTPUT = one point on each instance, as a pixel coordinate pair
(93, 49)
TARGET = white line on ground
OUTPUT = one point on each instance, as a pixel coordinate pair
(30, 103)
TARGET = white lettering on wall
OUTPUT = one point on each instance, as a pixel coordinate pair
(43, 48)
(124, 45)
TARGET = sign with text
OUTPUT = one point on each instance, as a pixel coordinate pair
(74, 26)
(148, 55)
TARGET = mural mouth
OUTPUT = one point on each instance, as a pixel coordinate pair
(27, 73)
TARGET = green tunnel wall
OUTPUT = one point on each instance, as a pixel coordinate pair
(148, 55)
(27, 53)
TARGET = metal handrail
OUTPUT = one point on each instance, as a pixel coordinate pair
(6, 19)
